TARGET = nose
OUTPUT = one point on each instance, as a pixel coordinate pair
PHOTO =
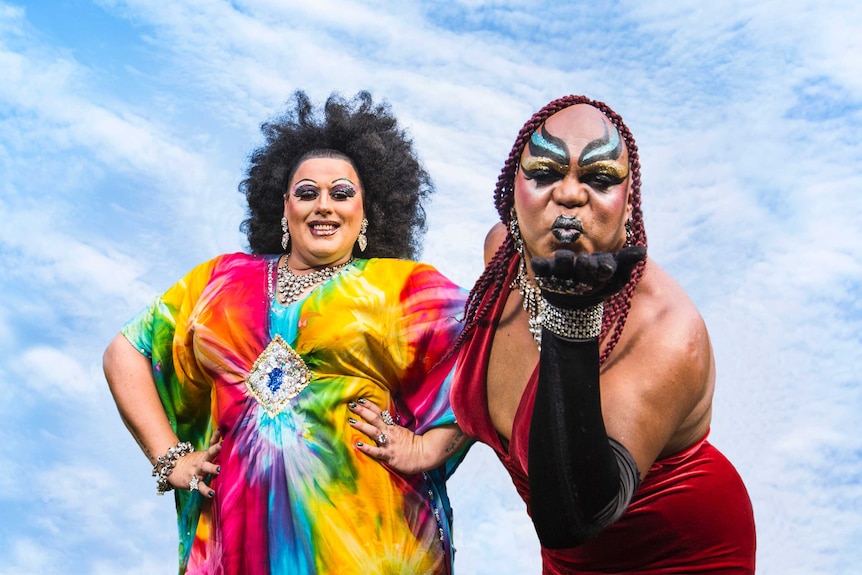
(323, 204)
(570, 192)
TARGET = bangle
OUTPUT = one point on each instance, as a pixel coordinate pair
(166, 463)
(574, 323)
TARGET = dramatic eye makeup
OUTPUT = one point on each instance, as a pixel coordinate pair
(549, 156)
(599, 163)
(308, 190)
(305, 190)
(600, 158)
(342, 191)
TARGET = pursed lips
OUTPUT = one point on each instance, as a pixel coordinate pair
(567, 229)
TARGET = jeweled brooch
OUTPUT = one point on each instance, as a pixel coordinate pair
(278, 375)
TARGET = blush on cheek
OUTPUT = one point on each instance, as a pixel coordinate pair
(610, 219)
(616, 206)
(618, 201)
(526, 196)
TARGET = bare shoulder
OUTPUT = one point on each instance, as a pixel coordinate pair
(665, 326)
(661, 306)
(494, 239)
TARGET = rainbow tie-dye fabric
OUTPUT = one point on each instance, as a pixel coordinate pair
(294, 495)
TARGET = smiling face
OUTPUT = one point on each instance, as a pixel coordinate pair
(572, 185)
(324, 211)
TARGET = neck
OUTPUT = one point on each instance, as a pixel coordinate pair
(292, 286)
(300, 266)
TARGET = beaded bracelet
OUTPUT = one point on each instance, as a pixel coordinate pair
(165, 465)
(573, 323)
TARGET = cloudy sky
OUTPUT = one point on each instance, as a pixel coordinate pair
(125, 126)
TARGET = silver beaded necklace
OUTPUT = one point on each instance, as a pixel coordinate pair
(533, 302)
(291, 286)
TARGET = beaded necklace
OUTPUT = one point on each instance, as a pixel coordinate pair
(291, 286)
(534, 303)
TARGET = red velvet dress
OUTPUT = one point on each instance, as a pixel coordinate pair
(691, 513)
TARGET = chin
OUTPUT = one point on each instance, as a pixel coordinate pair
(576, 246)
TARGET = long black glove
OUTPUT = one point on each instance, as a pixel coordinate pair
(581, 481)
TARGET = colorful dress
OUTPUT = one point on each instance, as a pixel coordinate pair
(294, 495)
(691, 513)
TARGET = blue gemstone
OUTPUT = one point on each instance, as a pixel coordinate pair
(276, 376)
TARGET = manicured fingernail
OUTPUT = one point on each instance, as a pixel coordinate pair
(218, 469)
(212, 493)
(359, 444)
(351, 404)
(351, 420)
(362, 401)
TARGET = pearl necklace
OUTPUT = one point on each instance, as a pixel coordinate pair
(291, 286)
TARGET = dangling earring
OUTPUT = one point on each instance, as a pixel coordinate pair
(630, 240)
(362, 240)
(285, 238)
(515, 232)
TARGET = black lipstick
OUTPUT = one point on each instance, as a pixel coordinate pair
(567, 229)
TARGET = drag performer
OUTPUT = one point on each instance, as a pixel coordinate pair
(236, 382)
(588, 369)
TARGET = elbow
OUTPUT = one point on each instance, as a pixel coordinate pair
(577, 530)
(110, 359)
(121, 361)
(574, 535)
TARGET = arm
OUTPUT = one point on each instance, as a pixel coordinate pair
(130, 379)
(405, 451)
(580, 480)
(654, 399)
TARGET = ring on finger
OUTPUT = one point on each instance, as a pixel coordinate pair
(381, 439)
(193, 484)
(387, 417)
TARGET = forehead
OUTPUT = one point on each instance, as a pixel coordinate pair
(578, 126)
(325, 170)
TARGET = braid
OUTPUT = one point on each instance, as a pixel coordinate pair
(493, 278)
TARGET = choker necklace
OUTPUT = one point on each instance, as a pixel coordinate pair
(534, 303)
(581, 324)
(291, 286)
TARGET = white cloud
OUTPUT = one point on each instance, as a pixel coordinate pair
(30, 557)
(747, 117)
(55, 374)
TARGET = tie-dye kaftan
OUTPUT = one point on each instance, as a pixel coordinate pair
(294, 495)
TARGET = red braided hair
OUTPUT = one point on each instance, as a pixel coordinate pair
(493, 278)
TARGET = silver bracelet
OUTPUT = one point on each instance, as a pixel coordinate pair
(573, 323)
(165, 465)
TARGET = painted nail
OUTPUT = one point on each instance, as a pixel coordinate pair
(351, 404)
(359, 444)
(351, 420)
(362, 401)
(212, 493)
(218, 469)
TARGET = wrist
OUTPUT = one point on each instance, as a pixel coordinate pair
(165, 465)
(573, 324)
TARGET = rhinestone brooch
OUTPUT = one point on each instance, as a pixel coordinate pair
(278, 375)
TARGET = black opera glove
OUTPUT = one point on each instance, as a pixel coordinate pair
(575, 281)
(580, 479)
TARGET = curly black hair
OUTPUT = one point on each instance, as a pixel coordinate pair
(394, 183)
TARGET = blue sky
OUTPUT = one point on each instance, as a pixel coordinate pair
(124, 130)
